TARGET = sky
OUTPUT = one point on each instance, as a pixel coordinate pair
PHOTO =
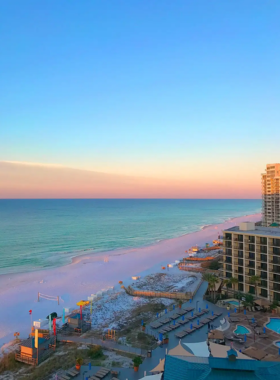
(180, 97)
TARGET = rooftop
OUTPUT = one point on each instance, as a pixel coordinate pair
(30, 342)
(259, 230)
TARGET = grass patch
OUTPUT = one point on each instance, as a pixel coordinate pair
(9, 363)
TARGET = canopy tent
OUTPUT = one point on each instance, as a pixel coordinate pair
(152, 377)
(216, 334)
(199, 349)
(221, 351)
(262, 302)
(82, 303)
(255, 353)
(159, 367)
(179, 351)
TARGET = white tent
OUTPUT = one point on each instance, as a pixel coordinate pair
(199, 349)
(152, 377)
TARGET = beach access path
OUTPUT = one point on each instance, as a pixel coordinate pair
(89, 274)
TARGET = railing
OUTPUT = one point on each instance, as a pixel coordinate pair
(25, 359)
(148, 293)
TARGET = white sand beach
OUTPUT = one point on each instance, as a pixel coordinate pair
(88, 274)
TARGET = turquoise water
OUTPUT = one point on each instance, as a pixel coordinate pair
(241, 330)
(277, 344)
(274, 325)
(37, 234)
(236, 303)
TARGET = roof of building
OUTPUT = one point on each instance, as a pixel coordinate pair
(30, 342)
(259, 230)
(216, 334)
(185, 368)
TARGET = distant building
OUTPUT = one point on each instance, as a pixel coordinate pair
(271, 195)
(250, 250)
(210, 368)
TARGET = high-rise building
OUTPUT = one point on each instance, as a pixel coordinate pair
(271, 195)
(251, 251)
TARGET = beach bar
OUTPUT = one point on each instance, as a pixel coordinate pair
(29, 354)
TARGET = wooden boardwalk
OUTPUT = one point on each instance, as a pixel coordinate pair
(148, 293)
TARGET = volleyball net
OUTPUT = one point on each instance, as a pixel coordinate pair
(48, 298)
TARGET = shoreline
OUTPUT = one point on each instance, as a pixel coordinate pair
(89, 273)
(91, 251)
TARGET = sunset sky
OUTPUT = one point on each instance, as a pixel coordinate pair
(141, 98)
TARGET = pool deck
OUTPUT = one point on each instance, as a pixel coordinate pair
(265, 341)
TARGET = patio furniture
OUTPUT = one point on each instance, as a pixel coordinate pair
(156, 325)
(181, 334)
(175, 316)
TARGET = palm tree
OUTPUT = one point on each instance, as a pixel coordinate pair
(249, 299)
(254, 280)
(212, 280)
(227, 283)
(233, 281)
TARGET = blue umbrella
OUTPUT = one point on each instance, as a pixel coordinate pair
(264, 330)
(244, 311)
(173, 307)
(212, 312)
(207, 306)
(173, 322)
(199, 310)
(192, 313)
(165, 311)
(89, 366)
(198, 321)
(191, 326)
(183, 317)
(235, 310)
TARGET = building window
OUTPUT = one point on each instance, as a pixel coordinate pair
(228, 236)
(263, 284)
(276, 286)
(251, 255)
(263, 293)
(252, 247)
(228, 252)
(263, 275)
(251, 289)
(240, 287)
(276, 242)
(251, 239)
(276, 277)
(240, 278)
(240, 254)
(240, 238)
(263, 240)
(276, 296)
(240, 270)
(276, 269)
(251, 264)
(251, 272)
(263, 249)
(276, 251)
(264, 258)
(228, 275)
(240, 245)
(228, 267)
(263, 266)
(228, 260)
(228, 244)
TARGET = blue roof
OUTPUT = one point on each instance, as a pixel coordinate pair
(231, 351)
(186, 368)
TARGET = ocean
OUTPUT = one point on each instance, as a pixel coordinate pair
(37, 234)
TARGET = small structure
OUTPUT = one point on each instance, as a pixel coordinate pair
(77, 322)
(262, 302)
(216, 336)
(29, 354)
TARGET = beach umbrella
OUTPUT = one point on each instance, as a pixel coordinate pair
(245, 338)
(235, 310)
(183, 317)
(244, 311)
(264, 330)
(157, 315)
(228, 314)
(173, 307)
(173, 322)
(253, 320)
(191, 326)
(198, 321)
(165, 311)
(190, 300)
(89, 366)
(142, 322)
(199, 310)
(212, 313)
(192, 313)
(207, 306)
(63, 316)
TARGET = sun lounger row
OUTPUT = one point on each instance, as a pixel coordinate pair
(70, 374)
(102, 372)
(189, 331)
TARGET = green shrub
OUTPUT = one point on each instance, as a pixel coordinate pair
(95, 352)
(9, 363)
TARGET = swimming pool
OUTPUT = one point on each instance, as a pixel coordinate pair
(241, 330)
(235, 303)
(277, 344)
(274, 325)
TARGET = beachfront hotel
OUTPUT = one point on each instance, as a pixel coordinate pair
(271, 195)
(251, 250)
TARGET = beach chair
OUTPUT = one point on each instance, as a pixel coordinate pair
(175, 316)
(64, 377)
(94, 378)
